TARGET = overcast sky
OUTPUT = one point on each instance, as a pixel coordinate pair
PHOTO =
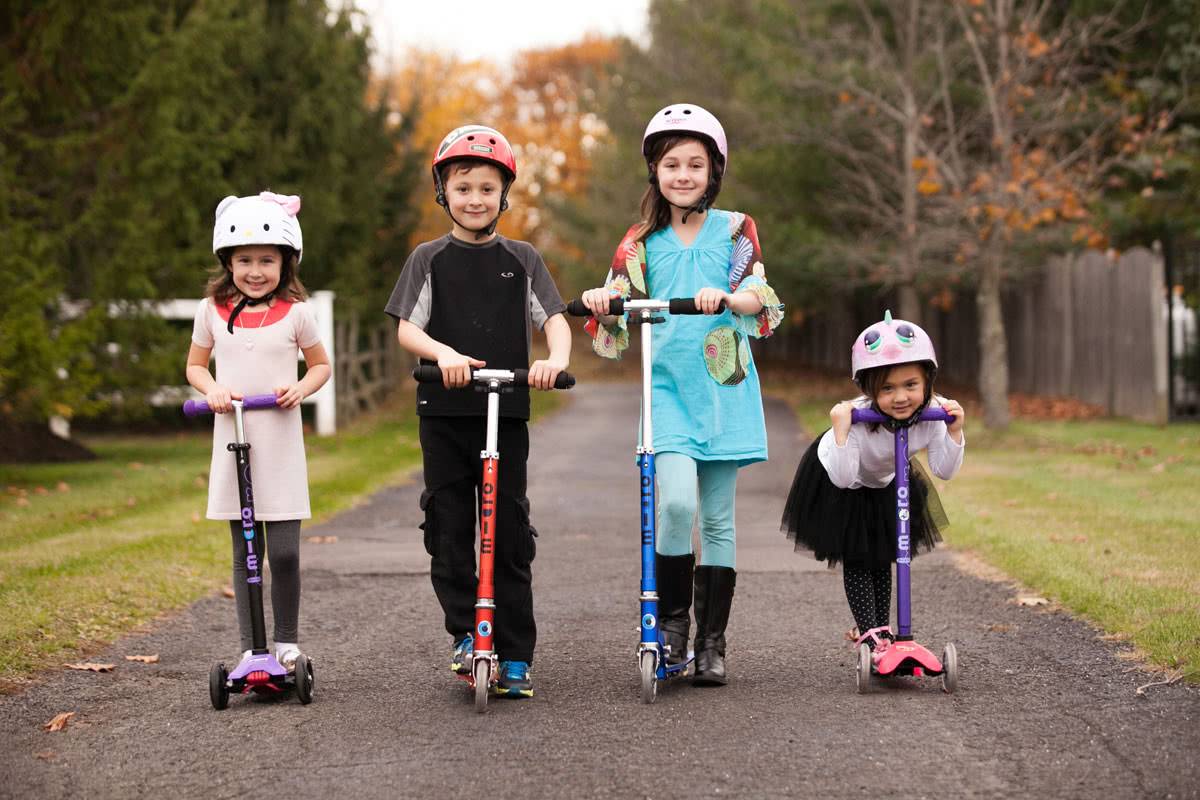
(496, 31)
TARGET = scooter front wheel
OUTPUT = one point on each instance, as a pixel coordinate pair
(482, 674)
(649, 667)
(218, 687)
(304, 679)
(949, 668)
(862, 678)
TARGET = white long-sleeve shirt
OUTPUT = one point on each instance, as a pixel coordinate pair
(868, 457)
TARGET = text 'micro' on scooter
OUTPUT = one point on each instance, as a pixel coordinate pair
(905, 656)
(652, 652)
(484, 660)
(259, 671)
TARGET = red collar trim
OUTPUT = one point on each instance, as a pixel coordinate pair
(249, 318)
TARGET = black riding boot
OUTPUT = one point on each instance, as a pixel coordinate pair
(674, 575)
(714, 596)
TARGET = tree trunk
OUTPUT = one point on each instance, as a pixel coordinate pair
(993, 342)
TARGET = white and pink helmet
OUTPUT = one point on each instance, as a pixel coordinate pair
(888, 344)
(684, 119)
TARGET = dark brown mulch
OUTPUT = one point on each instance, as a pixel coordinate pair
(29, 443)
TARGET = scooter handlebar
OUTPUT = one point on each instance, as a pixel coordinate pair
(928, 415)
(616, 306)
(254, 402)
(432, 373)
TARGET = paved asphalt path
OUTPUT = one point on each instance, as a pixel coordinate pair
(1044, 708)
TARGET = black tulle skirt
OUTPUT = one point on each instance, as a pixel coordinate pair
(858, 526)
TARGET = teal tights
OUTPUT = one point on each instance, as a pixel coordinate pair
(684, 484)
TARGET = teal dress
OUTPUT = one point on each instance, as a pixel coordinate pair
(706, 393)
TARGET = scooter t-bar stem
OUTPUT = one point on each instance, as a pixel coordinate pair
(432, 373)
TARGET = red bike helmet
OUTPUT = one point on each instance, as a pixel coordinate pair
(475, 143)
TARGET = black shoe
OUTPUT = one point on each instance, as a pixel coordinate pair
(674, 574)
(714, 597)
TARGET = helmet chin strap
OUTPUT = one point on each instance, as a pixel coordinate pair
(248, 301)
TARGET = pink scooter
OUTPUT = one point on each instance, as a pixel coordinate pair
(904, 656)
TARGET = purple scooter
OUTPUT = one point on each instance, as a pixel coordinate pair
(259, 671)
(904, 656)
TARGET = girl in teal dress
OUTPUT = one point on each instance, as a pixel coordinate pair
(708, 416)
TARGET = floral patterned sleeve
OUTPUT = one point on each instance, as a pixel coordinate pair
(747, 274)
(626, 279)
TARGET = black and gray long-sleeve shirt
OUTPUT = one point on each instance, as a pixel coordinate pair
(483, 300)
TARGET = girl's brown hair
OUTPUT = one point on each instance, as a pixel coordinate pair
(655, 210)
(222, 289)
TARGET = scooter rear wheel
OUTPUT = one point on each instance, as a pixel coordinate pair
(649, 667)
(218, 688)
(862, 678)
(949, 668)
(482, 673)
(304, 679)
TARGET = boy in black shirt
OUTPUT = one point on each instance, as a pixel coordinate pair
(467, 300)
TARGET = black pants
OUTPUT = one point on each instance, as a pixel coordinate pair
(451, 500)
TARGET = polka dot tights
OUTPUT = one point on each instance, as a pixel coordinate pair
(869, 593)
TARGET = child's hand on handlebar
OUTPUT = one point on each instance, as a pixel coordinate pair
(456, 369)
(954, 409)
(220, 399)
(596, 301)
(840, 417)
(288, 396)
(709, 300)
(543, 373)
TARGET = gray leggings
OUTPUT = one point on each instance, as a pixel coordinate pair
(283, 556)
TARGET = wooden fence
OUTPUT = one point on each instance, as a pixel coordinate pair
(370, 367)
(1085, 326)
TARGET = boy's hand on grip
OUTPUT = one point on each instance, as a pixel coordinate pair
(456, 369)
(543, 374)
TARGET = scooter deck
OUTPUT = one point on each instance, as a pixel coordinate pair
(907, 658)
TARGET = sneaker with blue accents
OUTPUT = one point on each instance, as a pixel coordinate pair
(514, 680)
(460, 657)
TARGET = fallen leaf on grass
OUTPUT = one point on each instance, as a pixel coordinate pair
(1011, 502)
(1159, 467)
(131, 501)
(1031, 600)
(227, 591)
(22, 501)
(59, 722)
(1079, 538)
(63, 486)
(195, 517)
(135, 465)
(144, 659)
(1001, 627)
(200, 482)
(41, 490)
(1054, 537)
(91, 666)
(321, 539)
(1052, 496)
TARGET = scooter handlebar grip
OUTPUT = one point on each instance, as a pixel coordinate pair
(257, 401)
(427, 373)
(565, 380)
(928, 415)
(616, 307)
(687, 305)
(198, 408)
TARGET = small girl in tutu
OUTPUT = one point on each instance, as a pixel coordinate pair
(842, 503)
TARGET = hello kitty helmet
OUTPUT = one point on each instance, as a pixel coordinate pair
(265, 218)
(888, 344)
